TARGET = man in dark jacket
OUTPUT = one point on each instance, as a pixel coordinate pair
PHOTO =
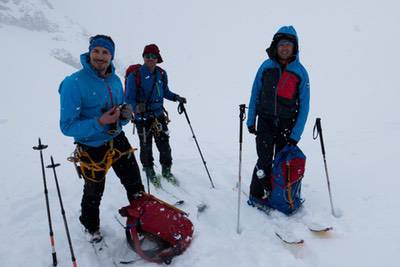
(146, 89)
(280, 100)
(92, 112)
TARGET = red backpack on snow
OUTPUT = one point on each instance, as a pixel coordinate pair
(151, 219)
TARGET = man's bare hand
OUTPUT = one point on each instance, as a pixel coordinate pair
(110, 116)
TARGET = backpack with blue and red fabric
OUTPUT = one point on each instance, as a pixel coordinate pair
(287, 174)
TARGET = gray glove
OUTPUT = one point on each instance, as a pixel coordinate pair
(140, 108)
(126, 112)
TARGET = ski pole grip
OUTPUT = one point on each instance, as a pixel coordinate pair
(321, 138)
(40, 146)
(182, 109)
(318, 124)
(242, 108)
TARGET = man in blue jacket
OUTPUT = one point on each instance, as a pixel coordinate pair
(280, 102)
(92, 113)
(146, 89)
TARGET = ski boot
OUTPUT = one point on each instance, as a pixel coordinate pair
(151, 175)
(93, 236)
(166, 173)
(259, 203)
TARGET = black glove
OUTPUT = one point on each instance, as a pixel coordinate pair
(140, 108)
(292, 142)
(180, 99)
(252, 130)
(126, 112)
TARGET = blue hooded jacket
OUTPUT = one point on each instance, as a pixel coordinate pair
(294, 66)
(154, 97)
(84, 96)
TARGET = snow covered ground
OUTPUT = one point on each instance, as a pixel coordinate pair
(211, 50)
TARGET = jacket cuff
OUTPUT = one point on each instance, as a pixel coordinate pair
(124, 122)
(97, 124)
(294, 138)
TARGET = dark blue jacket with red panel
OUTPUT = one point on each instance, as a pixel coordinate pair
(278, 93)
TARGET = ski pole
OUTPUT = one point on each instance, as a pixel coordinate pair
(144, 143)
(242, 116)
(182, 109)
(53, 166)
(41, 147)
(318, 127)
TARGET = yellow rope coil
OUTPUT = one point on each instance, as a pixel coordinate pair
(88, 165)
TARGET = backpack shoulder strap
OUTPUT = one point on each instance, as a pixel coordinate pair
(138, 249)
(135, 70)
(163, 74)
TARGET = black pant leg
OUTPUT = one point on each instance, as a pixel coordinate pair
(265, 147)
(271, 138)
(146, 143)
(93, 188)
(162, 143)
(90, 204)
(283, 131)
(126, 167)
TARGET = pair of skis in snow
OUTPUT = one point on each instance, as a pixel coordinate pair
(287, 236)
(156, 182)
(201, 206)
(290, 239)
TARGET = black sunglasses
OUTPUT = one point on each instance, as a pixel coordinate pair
(150, 56)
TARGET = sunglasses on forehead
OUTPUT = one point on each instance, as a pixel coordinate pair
(150, 56)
